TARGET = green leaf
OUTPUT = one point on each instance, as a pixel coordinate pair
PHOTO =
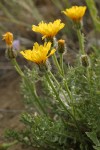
(93, 137)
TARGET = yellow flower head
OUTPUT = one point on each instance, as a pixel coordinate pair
(50, 29)
(8, 37)
(75, 12)
(39, 53)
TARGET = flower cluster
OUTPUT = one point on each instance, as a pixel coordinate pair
(40, 53)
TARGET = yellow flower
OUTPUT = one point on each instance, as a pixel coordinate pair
(8, 37)
(39, 53)
(50, 29)
(75, 12)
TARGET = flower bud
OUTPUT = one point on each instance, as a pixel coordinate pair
(61, 46)
(10, 53)
(85, 60)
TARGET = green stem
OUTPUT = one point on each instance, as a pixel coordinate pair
(70, 96)
(89, 81)
(33, 91)
(61, 63)
(63, 105)
(60, 101)
(54, 90)
(67, 89)
(60, 71)
(53, 77)
(41, 108)
(81, 41)
(58, 85)
(57, 64)
(17, 67)
(63, 76)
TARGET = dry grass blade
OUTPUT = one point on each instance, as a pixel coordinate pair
(31, 8)
(11, 17)
(94, 13)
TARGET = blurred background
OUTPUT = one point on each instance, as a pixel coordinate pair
(18, 16)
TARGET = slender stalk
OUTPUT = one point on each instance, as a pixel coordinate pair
(33, 91)
(40, 108)
(59, 86)
(64, 106)
(54, 90)
(81, 41)
(67, 89)
(17, 67)
(89, 81)
(62, 74)
(53, 77)
(61, 63)
(70, 96)
(61, 71)
(60, 101)
(57, 64)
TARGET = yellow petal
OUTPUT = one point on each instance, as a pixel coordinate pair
(39, 54)
(75, 12)
(50, 29)
(52, 52)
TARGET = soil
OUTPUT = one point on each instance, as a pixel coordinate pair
(11, 101)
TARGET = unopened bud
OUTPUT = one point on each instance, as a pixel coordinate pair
(10, 53)
(85, 60)
(61, 46)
